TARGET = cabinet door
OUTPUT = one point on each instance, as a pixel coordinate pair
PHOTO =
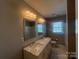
(46, 52)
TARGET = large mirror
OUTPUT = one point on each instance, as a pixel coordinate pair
(33, 30)
(29, 30)
(40, 28)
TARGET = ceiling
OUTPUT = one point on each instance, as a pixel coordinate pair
(48, 8)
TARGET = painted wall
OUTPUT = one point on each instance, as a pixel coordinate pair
(11, 28)
(10, 32)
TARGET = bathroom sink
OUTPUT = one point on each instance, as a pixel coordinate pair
(43, 41)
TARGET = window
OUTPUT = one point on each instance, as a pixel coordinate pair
(58, 27)
(40, 27)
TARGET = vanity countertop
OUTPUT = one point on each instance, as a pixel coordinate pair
(37, 47)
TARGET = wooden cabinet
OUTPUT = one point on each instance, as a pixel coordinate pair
(46, 52)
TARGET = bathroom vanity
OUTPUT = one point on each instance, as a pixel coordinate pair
(40, 49)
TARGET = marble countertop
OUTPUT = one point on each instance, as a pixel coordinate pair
(37, 47)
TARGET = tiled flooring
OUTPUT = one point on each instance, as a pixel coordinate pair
(59, 53)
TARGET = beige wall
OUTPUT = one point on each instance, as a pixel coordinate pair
(10, 32)
(11, 28)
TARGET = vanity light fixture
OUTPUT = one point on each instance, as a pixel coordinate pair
(40, 20)
(29, 15)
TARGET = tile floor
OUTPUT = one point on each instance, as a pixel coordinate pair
(59, 53)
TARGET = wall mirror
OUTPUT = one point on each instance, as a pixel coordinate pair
(29, 29)
(33, 31)
(40, 28)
